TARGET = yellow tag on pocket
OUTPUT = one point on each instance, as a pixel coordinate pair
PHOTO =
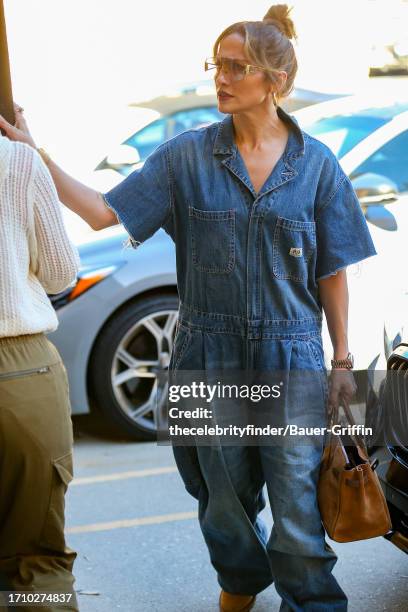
(295, 252)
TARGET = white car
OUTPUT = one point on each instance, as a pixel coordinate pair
(368, 133)
(188, 106)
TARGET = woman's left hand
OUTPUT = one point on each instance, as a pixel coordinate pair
(19, 131)
(341, 386)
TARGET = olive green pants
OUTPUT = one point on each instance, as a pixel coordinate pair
(35, 469)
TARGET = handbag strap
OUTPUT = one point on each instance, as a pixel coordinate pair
(358, 440)
(334, 420)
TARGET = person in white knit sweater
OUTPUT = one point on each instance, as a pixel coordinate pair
(36, 258)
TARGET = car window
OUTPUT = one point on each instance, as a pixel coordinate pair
(192, 118)
(390, 160)
(343, 132)
(149, 138)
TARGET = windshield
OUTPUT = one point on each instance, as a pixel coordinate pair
(341, 133)
(145, 141)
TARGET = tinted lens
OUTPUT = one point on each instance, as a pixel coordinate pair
(229, 66)
(237, 70)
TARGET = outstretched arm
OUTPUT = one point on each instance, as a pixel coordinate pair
(85, 201)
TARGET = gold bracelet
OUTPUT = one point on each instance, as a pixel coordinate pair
(44, 156)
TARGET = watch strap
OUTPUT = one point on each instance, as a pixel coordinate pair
(348, 362)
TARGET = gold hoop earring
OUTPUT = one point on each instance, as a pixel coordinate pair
(275, 100)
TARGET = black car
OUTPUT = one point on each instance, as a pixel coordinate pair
(388, 414)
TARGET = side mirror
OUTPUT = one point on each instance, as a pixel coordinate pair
(374, 190)
(381, 217)
(123, 155)
(122, 158)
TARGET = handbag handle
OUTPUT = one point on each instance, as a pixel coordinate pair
(334, 420)
(349, 416)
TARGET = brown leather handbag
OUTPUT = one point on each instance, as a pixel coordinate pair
(351, 501)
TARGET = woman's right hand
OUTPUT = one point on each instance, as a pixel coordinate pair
(19, 131)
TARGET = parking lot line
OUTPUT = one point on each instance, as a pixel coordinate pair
(147, 520)
(123, 475)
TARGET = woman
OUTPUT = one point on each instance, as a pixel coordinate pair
(265, 222)
(36, 258)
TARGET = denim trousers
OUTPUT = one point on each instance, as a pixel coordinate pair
(228, 479)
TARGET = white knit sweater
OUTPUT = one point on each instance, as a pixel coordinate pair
(36, 255)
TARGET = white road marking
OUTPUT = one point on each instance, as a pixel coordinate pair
(147, 520)
(123, 475)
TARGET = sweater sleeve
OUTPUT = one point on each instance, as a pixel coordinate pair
(56, 260)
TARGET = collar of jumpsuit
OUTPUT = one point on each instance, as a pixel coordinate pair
(284, 170)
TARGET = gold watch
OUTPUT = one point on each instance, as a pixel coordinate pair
(348, 362)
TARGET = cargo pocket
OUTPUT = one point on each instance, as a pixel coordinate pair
(181, 342)
(212, 234)
(317, 353)
(52, 535)
(186, 458)
(294, 247)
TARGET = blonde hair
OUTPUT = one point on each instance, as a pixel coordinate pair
(267, 44)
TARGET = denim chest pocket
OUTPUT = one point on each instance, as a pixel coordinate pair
(294, 245)
(212, 234)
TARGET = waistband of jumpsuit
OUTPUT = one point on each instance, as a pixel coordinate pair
(305, 328)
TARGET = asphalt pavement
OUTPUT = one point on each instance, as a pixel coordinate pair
(140, 548)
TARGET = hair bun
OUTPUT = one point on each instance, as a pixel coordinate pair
(279, 15)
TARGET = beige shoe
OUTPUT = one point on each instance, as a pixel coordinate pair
(236, 603)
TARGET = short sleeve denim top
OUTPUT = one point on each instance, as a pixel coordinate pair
(246, 262)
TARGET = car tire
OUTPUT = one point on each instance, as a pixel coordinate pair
(125, 337)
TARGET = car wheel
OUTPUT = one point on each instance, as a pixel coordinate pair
(129, 363)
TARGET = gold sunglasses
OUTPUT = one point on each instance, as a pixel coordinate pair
(237, 69)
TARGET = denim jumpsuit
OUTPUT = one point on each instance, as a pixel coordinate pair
(247, 270)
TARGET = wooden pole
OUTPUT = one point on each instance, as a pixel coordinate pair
(6, 96)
